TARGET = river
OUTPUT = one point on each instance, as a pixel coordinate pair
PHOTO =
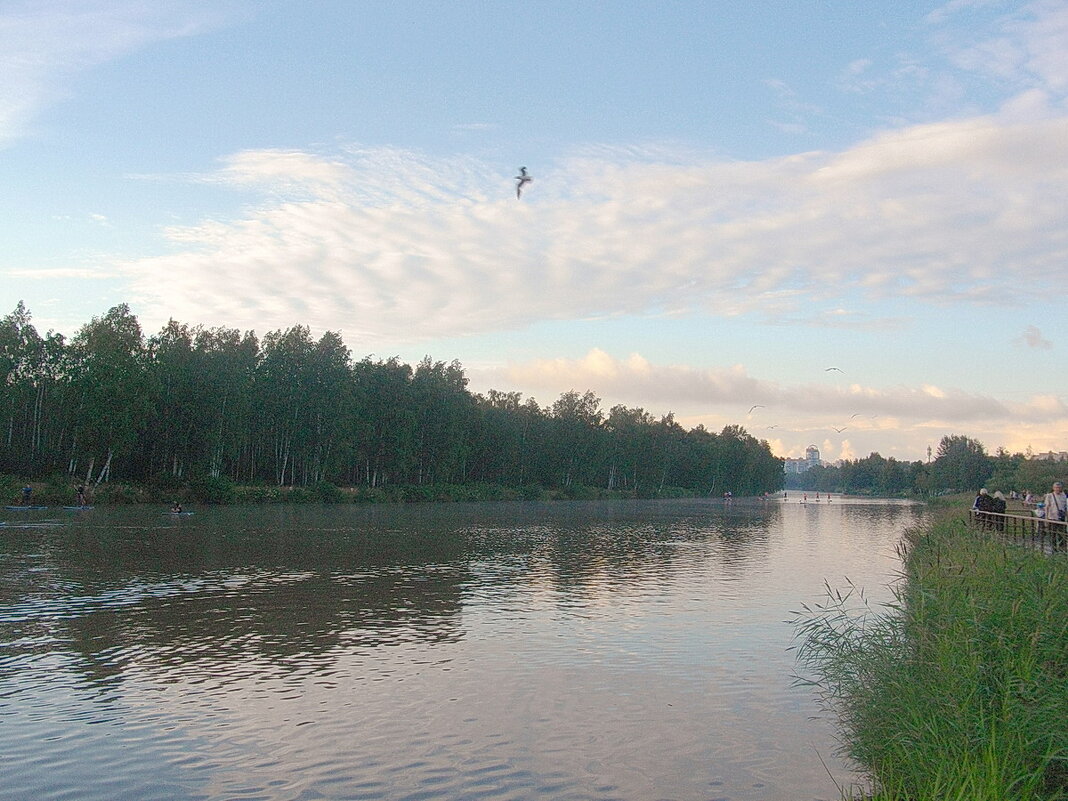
(585, 650)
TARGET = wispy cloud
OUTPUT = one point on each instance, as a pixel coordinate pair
(1024, 46)
(1032, 338)
(57, 273)
(395, 246)
(44, 46)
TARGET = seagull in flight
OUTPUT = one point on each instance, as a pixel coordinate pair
(521, 180)
(840, 430)
(828, 369)
(855, 414)
(757, 406)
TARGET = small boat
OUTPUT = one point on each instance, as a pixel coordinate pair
(25, 508)
(179, 514)
(77, 508)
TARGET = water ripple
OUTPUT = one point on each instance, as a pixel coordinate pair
(523, 651)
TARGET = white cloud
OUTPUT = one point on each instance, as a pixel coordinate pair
(43, 46)
(1025, 46)
(396, 246)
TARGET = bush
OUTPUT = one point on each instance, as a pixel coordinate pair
(9, 489)
(328, 493)
(113, 493)
(299, 495)
(212, 489)
(257, 493)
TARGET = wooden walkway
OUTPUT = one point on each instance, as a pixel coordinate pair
(1044, 535)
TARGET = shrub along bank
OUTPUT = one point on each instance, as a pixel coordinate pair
(959, 689)
(61, 491)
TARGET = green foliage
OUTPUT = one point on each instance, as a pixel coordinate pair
(959, 689)
(257, 494)
(293, 411)
(118, 493)
(212, 489)
(329, 493)
(9, 486)
(961, 464)
(299, 495)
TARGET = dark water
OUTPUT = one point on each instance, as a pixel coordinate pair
(514, 651)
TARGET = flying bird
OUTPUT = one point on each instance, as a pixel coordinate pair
(521, 180)
(774, 426)
(855, 414)
(828, 369)
(757, 406)
(840, 430)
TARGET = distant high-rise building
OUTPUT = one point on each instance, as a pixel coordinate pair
(812, 459)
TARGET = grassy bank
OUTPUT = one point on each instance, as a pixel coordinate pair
(959, 690)
(61, 490)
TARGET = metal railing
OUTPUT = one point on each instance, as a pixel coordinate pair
(1046, 535)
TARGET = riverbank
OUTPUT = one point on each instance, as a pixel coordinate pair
(61, 491)
(959, 690)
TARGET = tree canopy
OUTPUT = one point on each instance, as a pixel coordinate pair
(191, 403)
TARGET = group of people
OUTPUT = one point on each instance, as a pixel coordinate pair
(79, 496)
(1052, 510)
(987, 507)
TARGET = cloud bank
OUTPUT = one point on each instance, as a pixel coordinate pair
(847, 420)
(397, 246)
(636, 380)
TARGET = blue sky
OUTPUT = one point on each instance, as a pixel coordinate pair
(728, 198)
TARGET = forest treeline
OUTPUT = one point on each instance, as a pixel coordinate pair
(961, 464)
(195, 403)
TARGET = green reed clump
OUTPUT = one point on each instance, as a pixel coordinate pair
(959, 688)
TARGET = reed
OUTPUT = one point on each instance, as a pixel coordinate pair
(959, 687)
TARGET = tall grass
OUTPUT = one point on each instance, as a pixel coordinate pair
(959, 688)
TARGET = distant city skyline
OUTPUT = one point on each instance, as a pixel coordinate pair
(832, 223)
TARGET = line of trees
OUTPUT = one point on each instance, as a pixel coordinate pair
(961, 464)
(289, 410)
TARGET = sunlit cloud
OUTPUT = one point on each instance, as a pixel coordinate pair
(44, 46)
(636, 380)
(846, 419)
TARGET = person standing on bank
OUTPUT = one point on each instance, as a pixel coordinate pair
(1056, 506)
(1056, 503)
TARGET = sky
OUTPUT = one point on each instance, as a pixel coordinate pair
(834, 223)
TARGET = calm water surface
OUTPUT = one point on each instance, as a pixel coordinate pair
(506, 651)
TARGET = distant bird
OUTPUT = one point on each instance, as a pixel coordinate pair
(757, 406)
(521, 180)
(828, 369)
(840, 430)
(774, 426)
(855, 414)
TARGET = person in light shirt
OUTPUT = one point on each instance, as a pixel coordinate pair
(1056, 506)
